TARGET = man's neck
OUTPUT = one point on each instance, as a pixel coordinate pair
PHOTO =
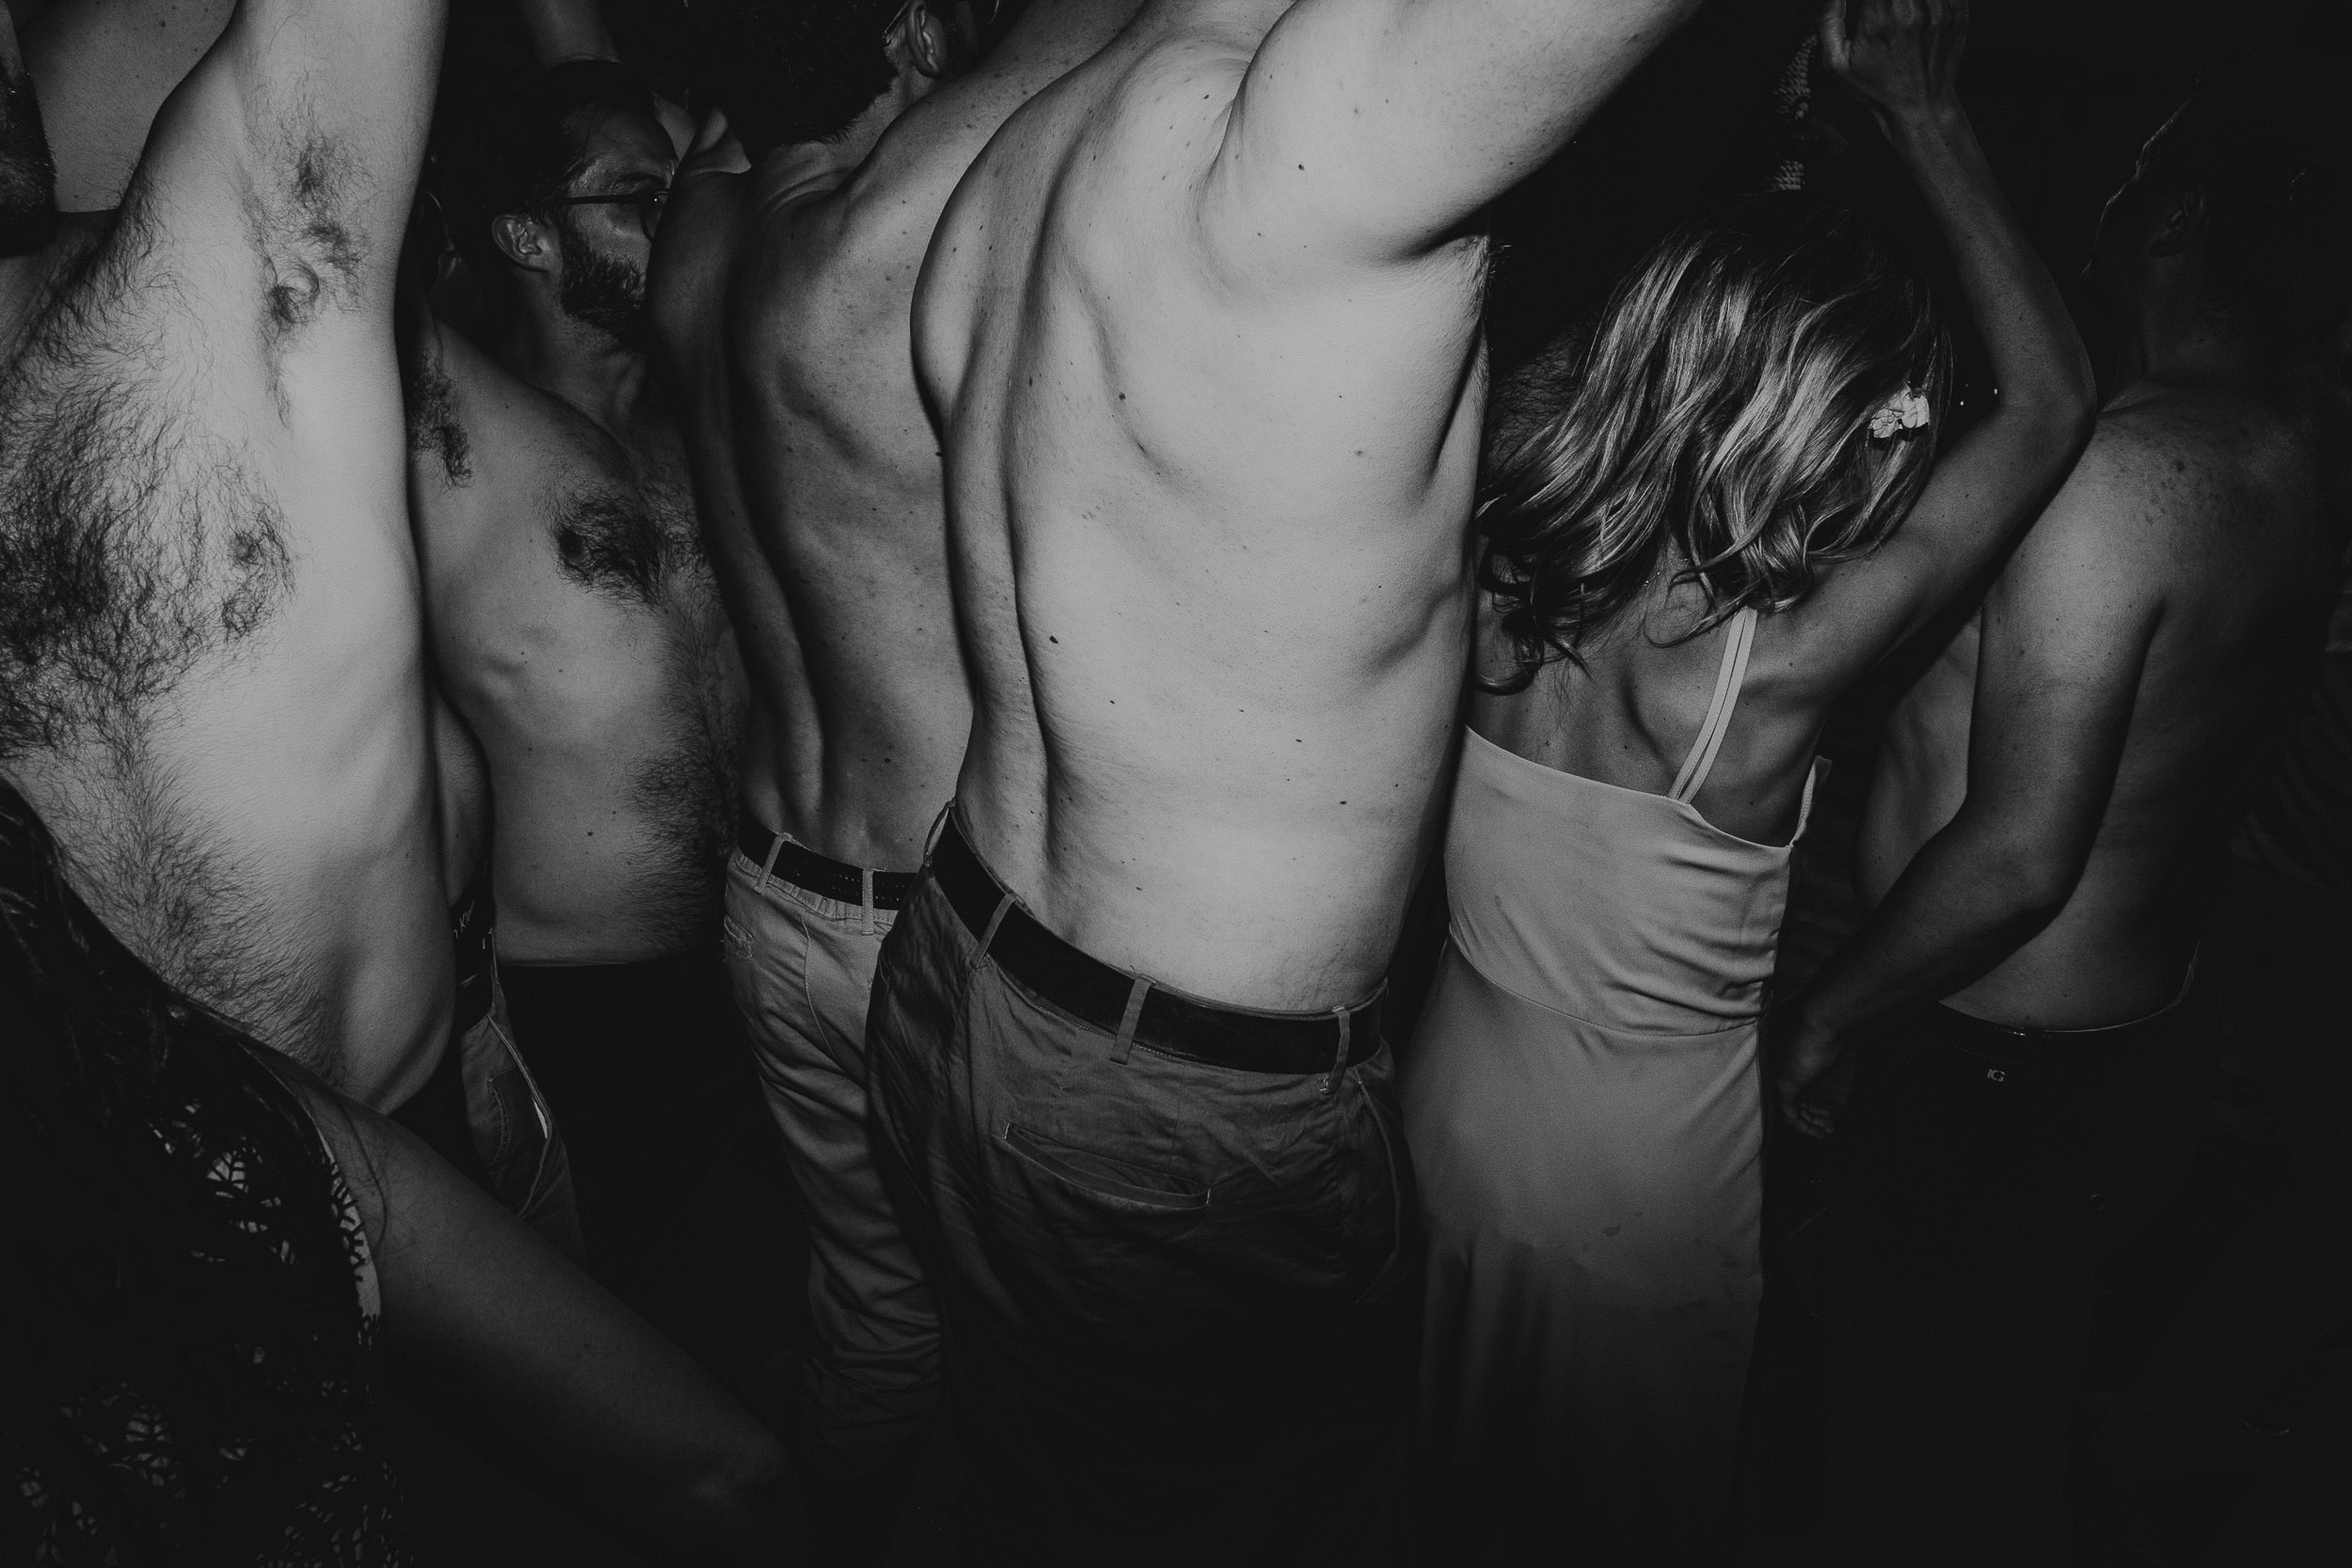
(585, 366)
(797, 165)
(2174, 337)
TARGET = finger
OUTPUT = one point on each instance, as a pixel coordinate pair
(1830, 27)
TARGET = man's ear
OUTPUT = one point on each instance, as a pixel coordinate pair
(937, 38)
(2180, 223)
(524, 242)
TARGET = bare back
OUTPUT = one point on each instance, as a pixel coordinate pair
(829, 526)
(214, 687)
(1208, 521)
(2188, 549)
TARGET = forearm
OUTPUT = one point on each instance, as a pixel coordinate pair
(567, 30)
(1958, 911)
(2038, 359)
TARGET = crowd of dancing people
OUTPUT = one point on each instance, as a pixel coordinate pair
(934, 598)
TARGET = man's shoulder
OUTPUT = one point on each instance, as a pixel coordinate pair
(2156, 459)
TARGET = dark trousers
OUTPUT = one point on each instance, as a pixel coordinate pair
(1178, 1298)
(2278, 953)
(650, 1077)
(1981, 1178)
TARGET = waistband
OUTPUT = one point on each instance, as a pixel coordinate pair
(473, 921)
(2017, 1047)
(821, 875)
(1133, 1006)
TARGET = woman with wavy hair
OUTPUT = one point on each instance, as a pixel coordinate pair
(1698, 528)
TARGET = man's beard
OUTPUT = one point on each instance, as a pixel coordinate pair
(28, 177)
(602, 290)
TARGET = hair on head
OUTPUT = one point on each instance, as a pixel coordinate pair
(1716, 423)
(791, 71)
(2266, 143)
(528, 147)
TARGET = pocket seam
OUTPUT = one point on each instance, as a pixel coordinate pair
(1040, 1153)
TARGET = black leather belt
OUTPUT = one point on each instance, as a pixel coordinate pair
(1093, 991)
(821, 875)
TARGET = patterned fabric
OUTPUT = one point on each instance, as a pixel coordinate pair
(187, 1304)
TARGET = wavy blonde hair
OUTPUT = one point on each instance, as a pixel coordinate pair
(1716, 422)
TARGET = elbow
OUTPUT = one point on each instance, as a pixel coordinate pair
(745, 1508)
(2062, 408)
(2029, 883)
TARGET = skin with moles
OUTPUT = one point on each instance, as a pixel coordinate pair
(2086, 730)
(783, 292)
(574, 624)
(1204, 338)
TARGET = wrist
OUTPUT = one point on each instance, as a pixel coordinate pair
(1929, 120)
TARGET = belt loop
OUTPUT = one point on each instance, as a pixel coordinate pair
(1004, 906)
(1339, 1062)
(867, 873)
(939, 825)
(768, 867)
(1136, 993)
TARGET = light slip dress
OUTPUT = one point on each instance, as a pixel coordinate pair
(1582, 1106)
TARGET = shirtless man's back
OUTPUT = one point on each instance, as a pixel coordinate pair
(2197, 520)
(783, 292)
(1201, 326)
(2031, 1072)
(213, 682)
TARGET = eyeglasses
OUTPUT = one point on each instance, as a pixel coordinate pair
(648, 203)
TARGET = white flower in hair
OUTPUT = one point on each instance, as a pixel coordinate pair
(1906, 410)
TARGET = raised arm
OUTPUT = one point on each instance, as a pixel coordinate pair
(567, 30)
(1902, 58)
(2066, 631)
(1375, 129)
(102, 68)
(315, 111)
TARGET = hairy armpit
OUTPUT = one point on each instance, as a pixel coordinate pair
(298, 213)
(434, 428)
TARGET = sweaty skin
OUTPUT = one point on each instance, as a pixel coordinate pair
(1208, 359)
(576, 628)
(782, 295)
(214, 677)
(2148, 613)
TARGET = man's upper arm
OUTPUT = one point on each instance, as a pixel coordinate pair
(102, 68)
(2066, 634)
(1379, 127)
(318, 110)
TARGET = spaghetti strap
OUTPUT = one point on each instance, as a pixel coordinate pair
(1733, 671)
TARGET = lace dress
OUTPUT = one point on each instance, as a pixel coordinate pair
(188, 1357)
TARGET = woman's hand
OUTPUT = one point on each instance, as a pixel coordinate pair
(1902, 57)
(1806, 1052)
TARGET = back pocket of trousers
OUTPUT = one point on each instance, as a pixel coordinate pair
(1100, 1176)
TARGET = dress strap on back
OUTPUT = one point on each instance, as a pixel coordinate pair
(1734, 669)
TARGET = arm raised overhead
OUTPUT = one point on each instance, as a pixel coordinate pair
(316, 112)
(1374, 130)
(1902, 57)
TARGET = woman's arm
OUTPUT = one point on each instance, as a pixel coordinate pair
(511, 1342)
(1902, 58)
